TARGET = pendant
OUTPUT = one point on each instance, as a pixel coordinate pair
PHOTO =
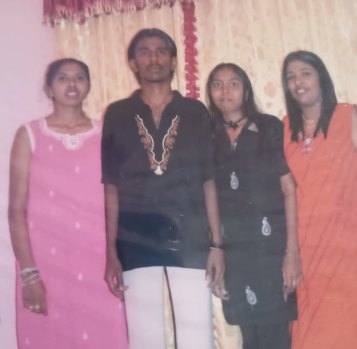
(158, 171)
(266, 228)
(70, 141)
(234, 181)
(307, 146)
(251, 297)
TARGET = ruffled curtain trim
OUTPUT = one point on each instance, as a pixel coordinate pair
(79, 10)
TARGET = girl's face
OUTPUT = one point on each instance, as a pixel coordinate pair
(69, 86)
(227, 92)
(303, 83)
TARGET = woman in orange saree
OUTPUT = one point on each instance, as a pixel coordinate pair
(320, 146)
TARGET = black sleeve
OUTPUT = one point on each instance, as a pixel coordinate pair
(205, 145)
(110, 173)
(276, 142)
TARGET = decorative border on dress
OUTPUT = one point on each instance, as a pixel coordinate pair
(70, 141)
(31, 136)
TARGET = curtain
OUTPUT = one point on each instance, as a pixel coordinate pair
(102, 43)
(257, 34)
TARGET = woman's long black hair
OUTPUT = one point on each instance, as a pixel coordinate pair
(329, 100)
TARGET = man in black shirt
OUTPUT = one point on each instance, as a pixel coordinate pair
(161, 204)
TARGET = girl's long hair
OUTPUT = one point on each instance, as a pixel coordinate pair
(329, 100)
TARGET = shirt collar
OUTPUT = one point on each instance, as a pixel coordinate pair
(176, 99)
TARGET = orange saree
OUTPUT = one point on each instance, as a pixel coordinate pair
(327, 205)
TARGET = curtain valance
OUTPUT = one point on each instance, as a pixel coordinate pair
(78, 10)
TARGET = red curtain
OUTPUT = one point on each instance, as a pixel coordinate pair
(189, 32)
(78, 10)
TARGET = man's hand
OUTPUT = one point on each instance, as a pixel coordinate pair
(114, 277)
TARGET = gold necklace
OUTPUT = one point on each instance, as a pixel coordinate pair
(307, 136)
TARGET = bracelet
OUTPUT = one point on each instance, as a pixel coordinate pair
(31, 280)
(215, 246)
(29, 270)
(29, 275)
(216, 249)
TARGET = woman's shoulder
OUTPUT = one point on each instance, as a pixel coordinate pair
(344, 120)
(96, 123)
(344, 109)
(34, 122)
(28, 131)
(33, 126)
(268, 121)
(268, 118)
(342, 117)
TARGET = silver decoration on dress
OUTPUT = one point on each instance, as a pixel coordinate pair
(234, 181)
(251, 297)
(307, 145)
(266, 228)
(158, 171)
(70, 141)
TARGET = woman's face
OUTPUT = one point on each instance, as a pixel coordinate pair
(69, 86)
(303, 83)
(227, 92)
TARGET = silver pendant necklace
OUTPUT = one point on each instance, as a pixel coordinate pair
(234, 181)
(251, 296)
(266, 228)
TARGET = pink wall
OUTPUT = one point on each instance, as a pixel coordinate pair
(26, 48)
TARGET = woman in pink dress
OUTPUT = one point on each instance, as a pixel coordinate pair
(56, 217)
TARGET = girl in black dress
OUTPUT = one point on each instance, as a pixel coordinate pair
(258, 211)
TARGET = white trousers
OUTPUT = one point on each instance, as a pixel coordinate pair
(191, 303)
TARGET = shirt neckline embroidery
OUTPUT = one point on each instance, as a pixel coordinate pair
(168, 141)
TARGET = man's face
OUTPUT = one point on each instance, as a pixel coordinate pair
(153, 62)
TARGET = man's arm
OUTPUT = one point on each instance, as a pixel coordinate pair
(113, 268)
